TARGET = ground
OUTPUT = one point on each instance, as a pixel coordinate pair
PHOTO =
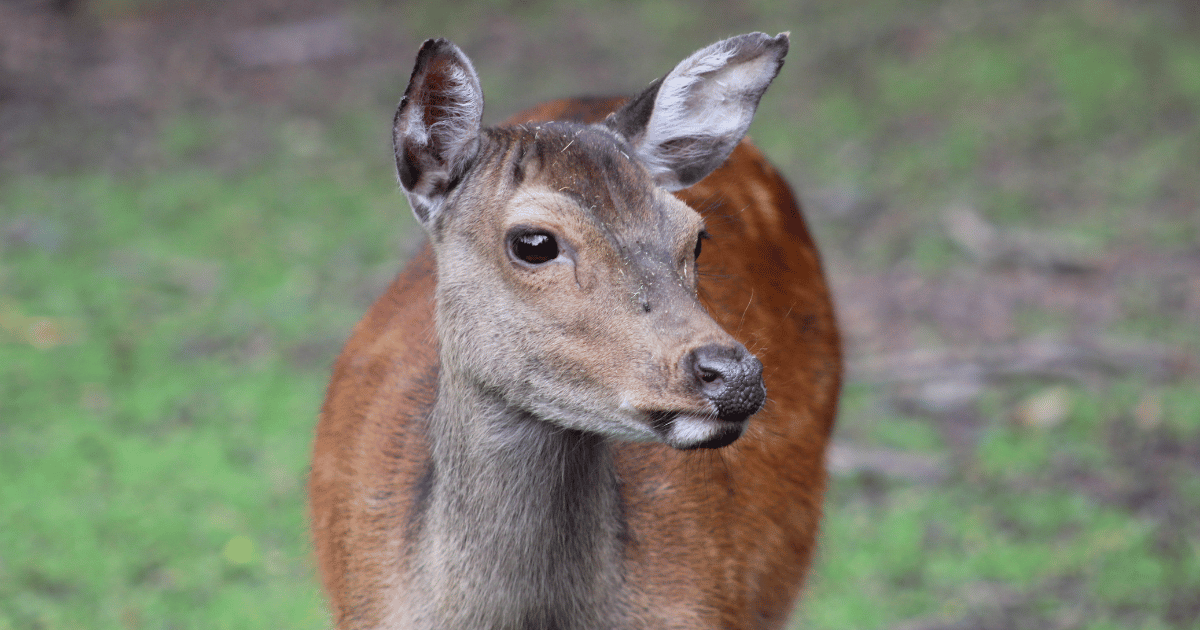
(197, 202)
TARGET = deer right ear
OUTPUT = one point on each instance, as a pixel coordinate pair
(435, 133)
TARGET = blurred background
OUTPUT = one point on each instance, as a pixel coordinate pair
(197, 202)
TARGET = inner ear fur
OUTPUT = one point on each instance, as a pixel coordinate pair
(684, 125)
(435, 133)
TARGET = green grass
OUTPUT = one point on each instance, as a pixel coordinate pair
(166, 328)
(154, 456)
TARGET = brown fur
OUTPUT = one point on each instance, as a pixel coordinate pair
(714, 538)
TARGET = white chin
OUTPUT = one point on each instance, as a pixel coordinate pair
(687, 431)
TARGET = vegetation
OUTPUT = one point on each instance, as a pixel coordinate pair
(180, 263)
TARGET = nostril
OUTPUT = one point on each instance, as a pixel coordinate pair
(708, 376)
(730, 378)
(714, 365)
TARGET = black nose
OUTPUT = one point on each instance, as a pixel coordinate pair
(731, 378)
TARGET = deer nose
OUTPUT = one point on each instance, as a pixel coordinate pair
(730, 377)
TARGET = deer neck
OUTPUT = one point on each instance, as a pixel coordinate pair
(523, 521)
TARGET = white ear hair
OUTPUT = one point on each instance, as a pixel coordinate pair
(685, 125)
(435, 133)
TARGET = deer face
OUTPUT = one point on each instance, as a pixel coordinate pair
(567, 271)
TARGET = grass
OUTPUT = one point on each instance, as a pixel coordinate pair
(166, 328)
(173, 424)
(155, 433)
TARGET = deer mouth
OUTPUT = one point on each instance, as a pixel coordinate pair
(690, 431)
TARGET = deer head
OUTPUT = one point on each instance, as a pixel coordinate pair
(566, 269)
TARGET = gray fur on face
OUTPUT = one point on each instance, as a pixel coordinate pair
(520, 525)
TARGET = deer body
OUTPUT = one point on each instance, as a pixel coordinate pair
(548, 421)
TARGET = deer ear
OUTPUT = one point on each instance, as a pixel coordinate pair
(685, 124)
(435, 133)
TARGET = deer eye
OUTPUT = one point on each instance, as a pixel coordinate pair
(700, 238)
(533, 246)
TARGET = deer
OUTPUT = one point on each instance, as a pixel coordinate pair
(562, 414)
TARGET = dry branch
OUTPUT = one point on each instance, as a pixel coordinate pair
(1079, 361)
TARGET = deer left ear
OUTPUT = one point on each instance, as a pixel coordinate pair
(436, 129)
(684, 125)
